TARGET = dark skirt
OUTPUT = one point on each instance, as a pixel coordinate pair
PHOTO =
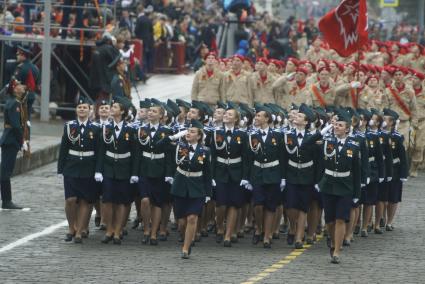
(371, 193)
(384, 191)
(299, 196)
(336, 207)
(185, 206)
(395, 191)
(117, 191)
(156, 189)
(230, 194)
(267, 195)
(82, 188)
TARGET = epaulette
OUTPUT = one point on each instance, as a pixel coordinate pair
(72, 122)
(276, 130)
(95, 123)
(397, 134)
(355, 143)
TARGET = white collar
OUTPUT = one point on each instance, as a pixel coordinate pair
(194, 145)
(118, 124)
(264, 130)
(83, 123)
(300, 131)
(341, 140)
(156, 126)
(227, 129)
(101, 121)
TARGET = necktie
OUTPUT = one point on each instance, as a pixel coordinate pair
(228, 135)
(340, 144)
(191, 148)
(153, 129)
(82, 128)
(263, 133)
(117, 128)
(300, 136)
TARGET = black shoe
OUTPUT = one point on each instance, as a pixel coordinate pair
(234, 239)
(78, 240)
(185, 255)
(369, 229)
(290, 239)
(389, 228)
(356, 230)
(145, 239)
(162, 237)
(382, 223)
(204, 234)
(335, 259)
(106, 239)
(364, 233)
(219, 238)
(346, 243)
(68, 237)
(309, 241)
(97, 221)
(135, 224)
(153, 242)
(10, 205)
(378, 231)
(85, 235)
(299, 245)
(267, 245)
(117, 241)
(102, 227)
(211, 228)
(255, 239)
(227, 243)
(275, 236)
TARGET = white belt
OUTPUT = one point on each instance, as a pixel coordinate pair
(118, 156)
(189, 174)
(396, 160)
(266, 165)
(153, 156)
(337, 174)
(371, 159)
(229, 161)
(300, 165)
(81, 153)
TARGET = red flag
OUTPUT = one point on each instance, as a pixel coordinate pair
(345, 28)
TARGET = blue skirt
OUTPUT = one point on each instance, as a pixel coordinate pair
(81, 188)
(185, 206)
(156, 189)
(230, 194)
(117, 191)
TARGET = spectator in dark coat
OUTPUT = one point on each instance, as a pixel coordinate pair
(144, 32)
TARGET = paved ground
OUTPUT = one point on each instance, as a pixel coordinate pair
(394, 257)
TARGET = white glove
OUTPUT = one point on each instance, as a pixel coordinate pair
(355, 84)
(60, 176)
(207, 198)
(170, 180)
(282, 184)
(362, 185)
(389, 179)
(326, 129)
(29, 123)
(381, 180)
(213, 183)
(178, 135)
(249, 187)
(367, 180)
(25, 146)
(98, 177)
(244, 182)
(403, 179)
(134, 179)
(290, 76)
(355, 200)
(316, 187)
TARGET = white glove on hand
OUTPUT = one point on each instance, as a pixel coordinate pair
(355, 84)
(249, 187)
(213, 183)
(326, 129)
(403, 179)
(170, 180)
(244, 182)
(389, 179)
(25, 146)
(282, 184)
(207, 198)
(355, 200)
(367, 180)
(134, 179)
(381, 180)
(178, 135)
(290, 76)
(316, 187)
(98, 177)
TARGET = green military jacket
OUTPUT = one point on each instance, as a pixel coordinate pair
(118, 157)
(78, 149)
(400, 166)
(228, 153)
(360, 138)
(266, 159)
(13, 130)
(193, 176)
(342, 168)
(156, 159)
(385, 140)
(376, 160)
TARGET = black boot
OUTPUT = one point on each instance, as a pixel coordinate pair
(6, 196)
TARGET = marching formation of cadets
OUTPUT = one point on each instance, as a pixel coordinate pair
(253, 150)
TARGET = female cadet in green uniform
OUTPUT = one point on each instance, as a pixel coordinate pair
(192, 183)
(77, 161)
(228, 151)
(117, 167)
(340, 185)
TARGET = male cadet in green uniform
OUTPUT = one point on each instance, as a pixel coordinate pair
(266, 173)
(302, 172)
(11, 141)
(76, 163)
(340, 185)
